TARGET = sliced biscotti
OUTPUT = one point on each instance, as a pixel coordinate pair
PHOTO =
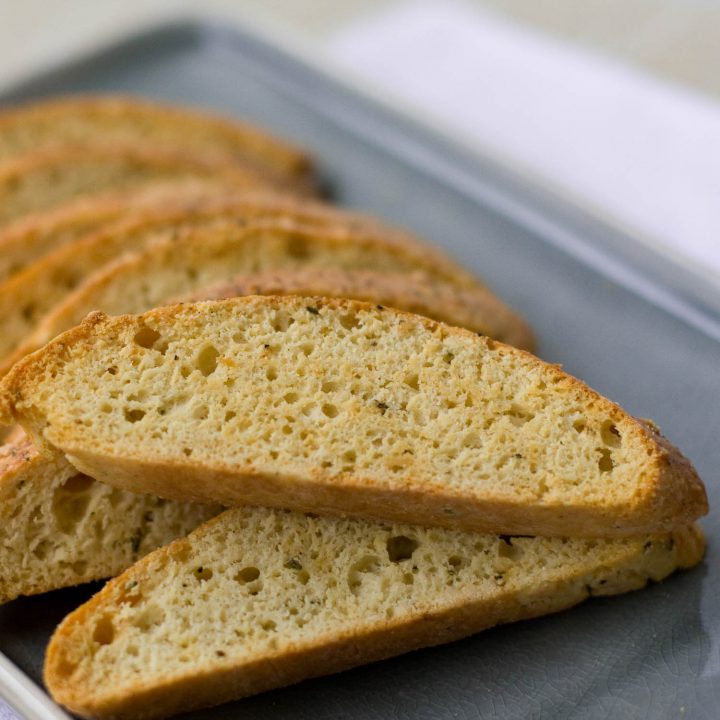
(60, 528)
(37, 234)
(47, 178)
(473, 308)
(126, 120)
(341, 407)
(196, 257)
(28, 296)
(33, 236)
(257, 599)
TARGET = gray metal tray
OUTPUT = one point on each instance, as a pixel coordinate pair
(633, 326)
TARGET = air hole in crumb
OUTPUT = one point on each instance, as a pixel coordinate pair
(104, 632)
(268, 625)
(201, 412)
(605, 463)
(282, 321)
(78, 483)
(400, 547)
(519, 415)
(290, 397)
(203, 573)
(349, 321)
(229, 415)
(408, 578)
(134, 415)
(187, 451)
(106, 408)
(412, 381)
(146, 337)
(207, 360)
(368, 564)
(329, 410)
(307, 348)
(329, 386)
(112, 370)
(271, 374)
(579, 425)
(185, 371)
(610, 435)
(247, 574)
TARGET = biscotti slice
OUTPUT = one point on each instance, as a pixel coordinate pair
(125, 120)
(60, 528)
(196, 257)
(30, 295)
(341, 407)
(472, 308)
(258, 599)
(45, 179)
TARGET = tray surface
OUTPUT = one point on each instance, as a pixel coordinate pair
(627, 330)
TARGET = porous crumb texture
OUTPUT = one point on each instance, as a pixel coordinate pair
(45, 179)
(476, 309)
(258, 598)
(122, 120)
(194, 257)
(335, 406)
(30, 295)
(59, 527)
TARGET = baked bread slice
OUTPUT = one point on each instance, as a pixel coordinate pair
(28, 296)
(470, 308)
(120, 120)
(341, 407)
(60, 528)
(196, 257)
(47, 178)
(32, 236)
(257, 599)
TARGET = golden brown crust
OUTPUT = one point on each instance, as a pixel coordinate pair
(75, 119)
(670, 494)
(191, 245)
(474, 308)
(27, 296)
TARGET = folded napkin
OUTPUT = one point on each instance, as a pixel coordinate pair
(643, 151)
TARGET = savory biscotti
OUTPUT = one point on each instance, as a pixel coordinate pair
(124, 120)
(60, 528)
(471, 308)
(341, 407)
(37, 234)
(257, 599)
(32, 236)
(47, 178)
(28, 296)
(196, 257)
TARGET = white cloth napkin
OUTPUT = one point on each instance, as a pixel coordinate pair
(633, 147)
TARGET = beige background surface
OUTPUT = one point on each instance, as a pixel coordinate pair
(676, 39)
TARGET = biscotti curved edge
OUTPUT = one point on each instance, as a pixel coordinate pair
(639, 561)
(669, 492)
(288, 157)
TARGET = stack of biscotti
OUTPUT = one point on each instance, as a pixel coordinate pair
(396, 481)
(484, 486)
(180, 233)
